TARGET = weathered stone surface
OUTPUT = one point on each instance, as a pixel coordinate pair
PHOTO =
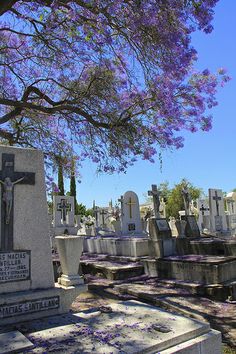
(27, 288)
(14, 341)
(123, 246)
(112, 270)
(202, 269)
(159, 229)
(70, 250)
(127, 327)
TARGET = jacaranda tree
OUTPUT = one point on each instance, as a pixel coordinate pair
(100, 79)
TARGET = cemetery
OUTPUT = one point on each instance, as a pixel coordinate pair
(115, 85)
(48, 261)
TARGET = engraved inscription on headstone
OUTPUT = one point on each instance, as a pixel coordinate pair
(29, 306)
(9, 178)
(14, 266)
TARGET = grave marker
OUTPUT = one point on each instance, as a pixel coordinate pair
(27, 288)
(130, 214)
(217, 212)
(8, 179)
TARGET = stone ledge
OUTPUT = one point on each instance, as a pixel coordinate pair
(34, 304)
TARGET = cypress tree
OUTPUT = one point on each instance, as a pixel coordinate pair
(73, 185)
(60, 179)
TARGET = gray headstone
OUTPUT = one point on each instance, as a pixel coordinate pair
(217, 212)
(130, 219)
(27, 288)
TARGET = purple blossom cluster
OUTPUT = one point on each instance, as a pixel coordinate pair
(106, 81)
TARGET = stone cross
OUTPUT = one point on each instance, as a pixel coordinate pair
(217, 198)
(95, 213)
(8, 179)
(63, 207)
(130, 203)
(202, 209)
(186, 198)
(156, 199)
(121, 201)
(103, 213)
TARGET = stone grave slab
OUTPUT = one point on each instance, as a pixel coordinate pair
(198, 268)
(112, 270)
(14, 341)
(129, 327)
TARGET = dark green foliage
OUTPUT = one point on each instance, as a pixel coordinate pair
(60, 179)
(73, 187)
(175, 199)
(83, 211)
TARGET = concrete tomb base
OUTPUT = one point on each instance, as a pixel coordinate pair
(26, 305)
(117, 246)
(198, 268)
(213, 246)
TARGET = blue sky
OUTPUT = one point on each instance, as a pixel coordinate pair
(208, 160)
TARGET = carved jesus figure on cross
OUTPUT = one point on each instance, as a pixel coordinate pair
(8, 186)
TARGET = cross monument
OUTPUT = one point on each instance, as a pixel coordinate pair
(156, 199)
(8, 179)
(63, 207)
(217, 198)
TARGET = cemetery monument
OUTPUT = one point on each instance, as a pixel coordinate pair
(27, 288)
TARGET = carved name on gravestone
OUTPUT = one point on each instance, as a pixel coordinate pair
(30, 306)
(14, 265)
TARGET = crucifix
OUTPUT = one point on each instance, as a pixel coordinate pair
(63, 207)
(156, 199)
(130, 203)
(217, 198)
(186, 199)
(202, 209)
(8, 179)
